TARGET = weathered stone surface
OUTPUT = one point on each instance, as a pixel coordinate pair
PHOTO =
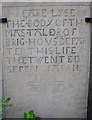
(0, 53)
(45, 0)
(46, 58)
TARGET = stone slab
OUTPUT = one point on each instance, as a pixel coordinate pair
(47, 58)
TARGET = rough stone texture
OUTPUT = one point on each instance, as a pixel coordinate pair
(45, 0)
(0, 54)
(56, 84)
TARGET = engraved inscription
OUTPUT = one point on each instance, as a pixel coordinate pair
(33, 40)
(46, 59)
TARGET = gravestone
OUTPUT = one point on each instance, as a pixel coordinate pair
(46, 58)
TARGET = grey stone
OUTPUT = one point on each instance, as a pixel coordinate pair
(46, 58)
